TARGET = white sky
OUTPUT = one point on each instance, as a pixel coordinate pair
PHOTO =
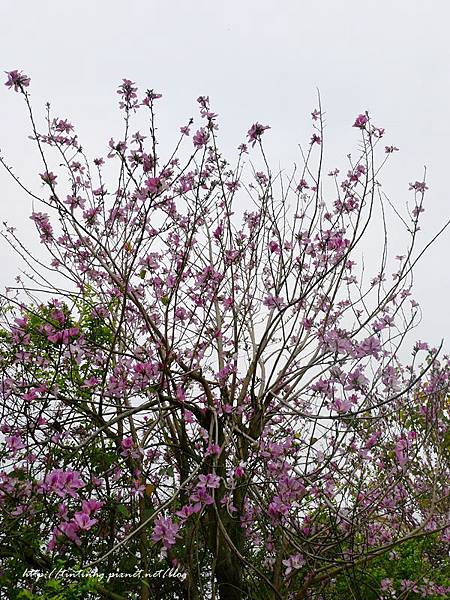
(257, 60)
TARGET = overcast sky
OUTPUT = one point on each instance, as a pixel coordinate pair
(257, 60)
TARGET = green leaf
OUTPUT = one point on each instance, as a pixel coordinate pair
(123, 511)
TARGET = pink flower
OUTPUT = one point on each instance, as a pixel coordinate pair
(390, 149)
(421, 346)
(228, 303)
(138, 488)
(154, 185)
(128, 93)
(127, 444)
(33, 393)
(200, 138)
(180, 394)
(293, 563)
(63, 532)
(361, 121)
(400, 452)
(218, 232)
(17, 80)
(151, 95)
(14, 443)
(91, 506)
(213, 450)
(303, 185)
(255, 132)
(224, 373)
(63, 483)
(232, 186)
(166, 531)
(48, 177)
(75, 202)
(371, 346)
(200, 495)
(186, 511)
(239, 471)
(418, 186)
(261, 178)
(273, 301)
(64, 336)
(181, 313)
(89, 383)
(210, 480)
(372, 440)
(341, 405)
(274, 247)
(84, 521)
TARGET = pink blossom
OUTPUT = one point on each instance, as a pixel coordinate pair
(213, 450)
(341, 405)
(186, 511)
(63, 337)
(302, 185)
(84, 521)
(90, 383)
(371, 346)
(390, 149)
(418, 186)
(14, 443)
(233, 186)
(43, 225)
(255, 132)
(150, 96)
(65, 530)
(17, 80)
(224, 373)
(419, 345)
(127, 91)
(90, 506)
(239, 471)
(400, 451)
(361, 121)
(210, 480)
(63, 483)
(372, 440)
(200, 138)
(127, 444)
(273, 301)
(293, 563)
(48, 177)
(75, 202)
(274, 247)
(261, 178)
(154, 185)
(181, 313)
(228, 303)
(165, 530)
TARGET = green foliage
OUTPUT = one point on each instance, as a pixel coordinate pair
(418, 560)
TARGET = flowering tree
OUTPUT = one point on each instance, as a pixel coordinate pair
(202, 378)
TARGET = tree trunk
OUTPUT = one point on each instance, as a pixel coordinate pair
(229, 576)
